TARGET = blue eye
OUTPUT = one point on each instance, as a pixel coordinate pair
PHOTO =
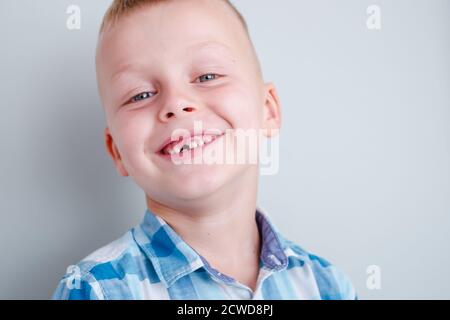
(208, 76)
(141, 96)
(145, 95)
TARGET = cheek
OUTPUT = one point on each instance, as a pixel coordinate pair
(239, 105)
(133, 129)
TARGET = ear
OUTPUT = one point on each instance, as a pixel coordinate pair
(114, 153)
(272, 111)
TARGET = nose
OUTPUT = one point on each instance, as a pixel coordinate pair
(176, 108)
(175, 112)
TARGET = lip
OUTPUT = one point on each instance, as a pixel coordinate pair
(192, 133)
(192, 151)
(190, 154)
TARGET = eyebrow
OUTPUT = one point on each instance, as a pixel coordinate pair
(195, 47)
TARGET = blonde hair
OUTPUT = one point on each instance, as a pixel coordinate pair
(120, 8)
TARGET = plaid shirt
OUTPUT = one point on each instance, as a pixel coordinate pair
(151, 261)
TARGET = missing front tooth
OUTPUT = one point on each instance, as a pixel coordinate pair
(185, 147)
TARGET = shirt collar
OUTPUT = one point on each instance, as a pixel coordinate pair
(173, 258)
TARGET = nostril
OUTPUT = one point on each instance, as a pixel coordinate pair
(188, 109)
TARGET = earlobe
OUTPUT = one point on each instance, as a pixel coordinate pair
(272, 111)
(114, 153)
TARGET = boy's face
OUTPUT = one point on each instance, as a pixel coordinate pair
(163, 67)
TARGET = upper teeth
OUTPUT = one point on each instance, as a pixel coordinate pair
(200, 141)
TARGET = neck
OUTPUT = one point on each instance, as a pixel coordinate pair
(225, 232)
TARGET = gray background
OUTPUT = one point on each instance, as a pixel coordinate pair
(365, 151)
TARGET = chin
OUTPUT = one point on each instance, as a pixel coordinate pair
(202, 182)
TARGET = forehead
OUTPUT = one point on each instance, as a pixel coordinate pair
(171, 31)
(202, 52)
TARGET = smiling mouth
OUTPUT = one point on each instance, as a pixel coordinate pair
(186, 144)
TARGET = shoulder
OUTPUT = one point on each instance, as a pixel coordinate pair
(331, 281)
(86, 279)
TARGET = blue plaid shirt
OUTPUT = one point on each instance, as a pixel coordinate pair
(151, 261)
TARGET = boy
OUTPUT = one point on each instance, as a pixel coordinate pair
(169, 65)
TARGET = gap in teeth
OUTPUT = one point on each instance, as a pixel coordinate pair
(197, 141)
